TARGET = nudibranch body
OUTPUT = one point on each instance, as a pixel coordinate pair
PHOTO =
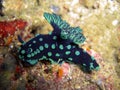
(60, 45)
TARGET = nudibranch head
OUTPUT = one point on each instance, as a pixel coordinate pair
(28, 54)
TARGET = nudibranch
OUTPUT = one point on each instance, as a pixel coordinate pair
(61, 45)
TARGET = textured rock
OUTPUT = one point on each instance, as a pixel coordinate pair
(99, 20)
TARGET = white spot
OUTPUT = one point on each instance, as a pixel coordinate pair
(74, 15)
(115, 22)
(74, 2)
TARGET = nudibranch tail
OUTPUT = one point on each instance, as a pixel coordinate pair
(20, 39)
(74, 34)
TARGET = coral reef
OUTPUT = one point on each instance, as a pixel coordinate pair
(100, 22)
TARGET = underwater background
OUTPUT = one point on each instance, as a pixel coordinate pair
(99, 21)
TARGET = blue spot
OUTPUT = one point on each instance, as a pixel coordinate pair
(67, 52)
(91, 66)
(34, 41)
(38, 51)
(32, 62)
(49, 54)
(70, 59)
(29, 50)
(41, 39)
(46, 45)
(51, 60)
(23, 43)
(23, 51)
(32, 54)
(84, 64)
(35, 52)
(30, 45)
(20, 57)
(92, 58)
(57, 54)
(28, 55)
(69, 47)
(77, 53)
(41, 48)
(61, 46)
(50, 33)
(54, 37)
(97, 68)
(19, 49)
(43, 57)
(53, 46)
